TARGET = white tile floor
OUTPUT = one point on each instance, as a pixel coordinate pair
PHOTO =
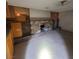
(51, 43)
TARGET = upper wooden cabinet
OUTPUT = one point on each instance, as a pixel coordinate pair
(10, 11)
(7, 11)
(21, 10)
(21, 13)
(21, 18)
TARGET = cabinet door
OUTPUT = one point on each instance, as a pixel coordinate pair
(12, 13)
(21, 18)
(21, 13)
(17, 29)
(9, 46)
(7, 11)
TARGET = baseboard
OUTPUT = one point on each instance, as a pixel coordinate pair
(66, 30)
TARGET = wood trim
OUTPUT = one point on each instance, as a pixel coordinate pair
(9, 46)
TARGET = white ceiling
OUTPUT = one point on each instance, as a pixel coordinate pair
(49, 5)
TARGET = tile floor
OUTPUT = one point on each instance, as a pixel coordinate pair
(20, 48)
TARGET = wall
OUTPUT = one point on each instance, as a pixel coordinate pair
(38, 17)
(66, 20)
(39, 13)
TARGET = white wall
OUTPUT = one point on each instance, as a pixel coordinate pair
(39, 13)
(66, 20)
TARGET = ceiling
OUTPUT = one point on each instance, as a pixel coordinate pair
(49, 5)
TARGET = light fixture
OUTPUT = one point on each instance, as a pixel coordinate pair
(18, 14)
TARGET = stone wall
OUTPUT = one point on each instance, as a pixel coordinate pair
(36, 22)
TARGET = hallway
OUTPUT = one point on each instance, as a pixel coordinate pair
(55, 43)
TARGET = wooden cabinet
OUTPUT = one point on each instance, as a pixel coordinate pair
(17, 29)
(10, 11)
(21, 13)
(21, 10)
(7, 11)
(21, 18)
(9, 46)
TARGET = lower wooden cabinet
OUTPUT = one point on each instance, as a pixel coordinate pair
(9, 46)
(17, 29)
